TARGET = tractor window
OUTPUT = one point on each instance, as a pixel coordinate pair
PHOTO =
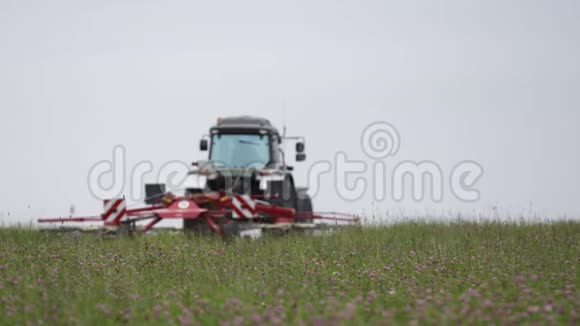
(240, 151)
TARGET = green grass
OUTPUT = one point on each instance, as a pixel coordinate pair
(430, 273)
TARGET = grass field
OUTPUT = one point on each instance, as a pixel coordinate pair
(411, 272)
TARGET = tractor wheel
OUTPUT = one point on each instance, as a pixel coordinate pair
(285, 192)
(304, 202)
(304, 205)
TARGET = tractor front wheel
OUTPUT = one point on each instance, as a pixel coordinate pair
(284, 193)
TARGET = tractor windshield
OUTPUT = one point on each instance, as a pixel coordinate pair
(240, 150)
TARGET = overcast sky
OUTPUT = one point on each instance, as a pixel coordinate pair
(496, 82)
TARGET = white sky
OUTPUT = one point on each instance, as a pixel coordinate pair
(492, 81)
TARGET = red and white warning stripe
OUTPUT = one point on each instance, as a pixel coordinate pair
(243, 206)
(115, 211)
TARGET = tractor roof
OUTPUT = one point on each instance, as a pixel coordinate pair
(244, 123)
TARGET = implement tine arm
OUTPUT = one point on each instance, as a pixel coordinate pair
(71, 219)
(329, 216)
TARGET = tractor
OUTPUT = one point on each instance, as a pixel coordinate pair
(246, 156)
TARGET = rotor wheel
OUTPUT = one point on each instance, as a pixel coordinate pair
(236, 229)
(198, 225)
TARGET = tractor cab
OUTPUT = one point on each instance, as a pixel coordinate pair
(247, 143)
(246, 156)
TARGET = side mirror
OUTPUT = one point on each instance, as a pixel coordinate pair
(299, 147)
(203, 145)
(300, 157)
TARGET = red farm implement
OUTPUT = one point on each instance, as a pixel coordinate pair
(224, 214)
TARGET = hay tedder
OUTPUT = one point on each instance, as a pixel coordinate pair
(244, 189)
